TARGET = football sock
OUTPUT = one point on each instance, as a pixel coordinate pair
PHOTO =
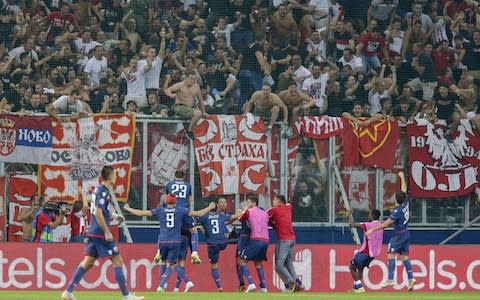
(120, 278)
(77, 276)
(216, 277)
(261, 276)
(240, 275)
(357, 284)
(179, 282)
(298, 281)
(181, 273)
(408, 267)
(391, 268)
(246, 272)
(194, 241)
(166, 276)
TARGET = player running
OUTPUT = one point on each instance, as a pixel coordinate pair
(371, 248)
(100, 240)
(400, 241)
(281, 219)
(171, 219)
(216, 232)
(256, 247)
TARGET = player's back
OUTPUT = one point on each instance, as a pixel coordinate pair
(401, 216)
(181, 189)
(170, 219)
(215, 229)
(100, 199)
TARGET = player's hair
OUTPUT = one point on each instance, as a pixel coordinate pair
(77, 206)
(107, 172)
(400, 197)
(179, 174)
(253, 198)
(375, 214)
(281, 198)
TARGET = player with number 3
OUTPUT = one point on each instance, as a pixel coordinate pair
(400, 241)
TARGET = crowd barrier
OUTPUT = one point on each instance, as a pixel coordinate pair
(321, 268)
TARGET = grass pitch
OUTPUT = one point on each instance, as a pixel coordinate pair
(52, 295)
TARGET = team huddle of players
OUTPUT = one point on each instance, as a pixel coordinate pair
(178, 233)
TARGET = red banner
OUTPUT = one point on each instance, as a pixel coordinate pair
(321, 268)
(231, 155)
(3, 210)
(320, 127)
(81, 149)
(373, 145)
(440, 168)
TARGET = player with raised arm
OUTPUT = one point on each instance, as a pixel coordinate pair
(100, 239)
(400, 241)
(171, 217)
(216, 232)
(371, 248)
(256, 248)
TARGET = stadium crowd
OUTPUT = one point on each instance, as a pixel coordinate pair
(361, 59)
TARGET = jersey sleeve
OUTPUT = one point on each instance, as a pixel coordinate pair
(156, 211)
(395, 215)
(362, 227)
(101, 200)
(244, 217)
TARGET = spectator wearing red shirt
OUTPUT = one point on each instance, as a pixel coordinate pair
(78, 219)
(280, 216)
(45, 222)
(372, 43)
(60, 21)
(442, 57)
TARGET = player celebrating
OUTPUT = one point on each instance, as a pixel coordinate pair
(371, 248)
(281, 219)
(216, 231)
(243, 238)
(100, 240)
(171, 218)
(399, 243)
(183, 190)
(256, 247)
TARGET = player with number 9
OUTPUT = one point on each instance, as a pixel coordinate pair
(400, 241)
(216, 232)
(171, 218)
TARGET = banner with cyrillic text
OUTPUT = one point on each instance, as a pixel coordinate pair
(80, 150)
(25, 139)
(231, 155)
(441, 168)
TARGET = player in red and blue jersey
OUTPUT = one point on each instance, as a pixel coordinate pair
(216, 233)
(183, 190)
(171, 219)
(100, 240)
(400, 241)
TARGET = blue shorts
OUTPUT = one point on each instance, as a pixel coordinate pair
(241, 243)
(169, 252)
(361, 260)
(255, 250)
(97, 247)
(214, 251)
(184, 245)
(399, 244)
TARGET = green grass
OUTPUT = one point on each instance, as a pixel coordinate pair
(51, 295)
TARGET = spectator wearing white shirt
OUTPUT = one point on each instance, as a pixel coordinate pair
(135, 78)
(300, 73)
(152, 76)
(83, 46)
(316, 48)
(28, 46)
(96, 68)
(68, 104)
(349, 59)
(224, 29)
(318, 16)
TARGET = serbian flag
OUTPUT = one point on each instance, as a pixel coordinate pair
(373, 145)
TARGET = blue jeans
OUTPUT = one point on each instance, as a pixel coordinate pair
(249, 83)
(373, 61)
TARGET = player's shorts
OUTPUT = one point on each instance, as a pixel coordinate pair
(98, 247)
(255, 250)
(399, 244)
(184, 245)
(169, 252)
(241, 243)
(214, 251)
(361, 260)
